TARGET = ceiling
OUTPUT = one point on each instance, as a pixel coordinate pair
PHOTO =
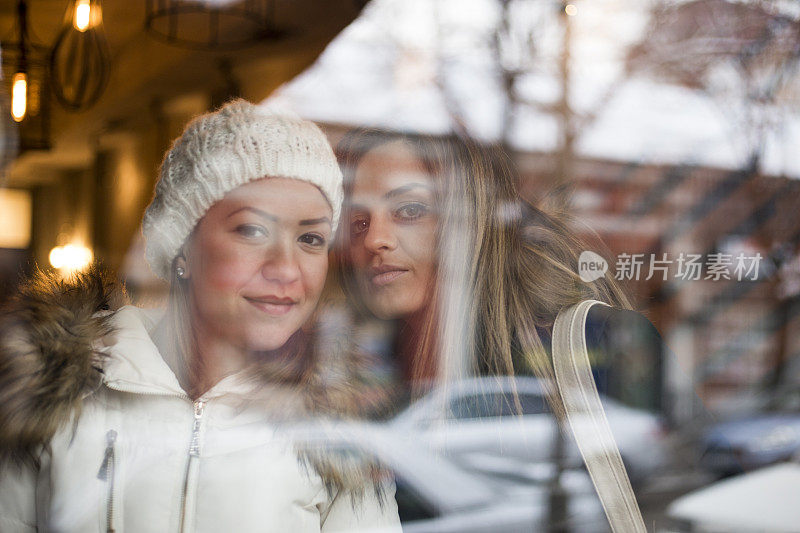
(145, 70)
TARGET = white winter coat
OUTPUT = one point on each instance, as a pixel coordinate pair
(142, 457)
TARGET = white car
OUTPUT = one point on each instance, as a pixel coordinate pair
(435, 495)
(766, 500)
(478, 417)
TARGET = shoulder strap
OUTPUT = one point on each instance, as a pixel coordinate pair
(588, 420)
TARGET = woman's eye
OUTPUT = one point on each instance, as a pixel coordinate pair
(411, 211)
(312, 239)
(359, 226)
(251, 231)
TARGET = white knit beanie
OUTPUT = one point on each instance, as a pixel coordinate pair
(219, 151)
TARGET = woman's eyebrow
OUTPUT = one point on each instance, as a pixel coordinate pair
(259, 212)
(273, 218)
(315, 221)
(405, 188)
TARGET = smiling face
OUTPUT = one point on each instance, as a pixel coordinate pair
(256, 264)
(392, 231)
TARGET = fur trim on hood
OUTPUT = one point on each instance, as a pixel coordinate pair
(50, 361)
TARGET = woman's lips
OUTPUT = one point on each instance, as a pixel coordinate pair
(272, 305)
(382, 276)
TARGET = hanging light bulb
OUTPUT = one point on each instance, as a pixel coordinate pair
(19, 96)
(79, 63)
(25, 102)
(83, 13)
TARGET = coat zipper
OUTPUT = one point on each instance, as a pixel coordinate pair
(191, 465)
(106, 474)
(194, 444)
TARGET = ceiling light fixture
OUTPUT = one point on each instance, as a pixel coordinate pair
(79, 64)
(24, 66)
(212, 24)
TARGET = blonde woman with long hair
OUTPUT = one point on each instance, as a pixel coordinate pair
(471, 278)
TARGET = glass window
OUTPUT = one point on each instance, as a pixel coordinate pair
(410, 506)
(497, 405)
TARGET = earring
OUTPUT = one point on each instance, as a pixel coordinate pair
(180, 271)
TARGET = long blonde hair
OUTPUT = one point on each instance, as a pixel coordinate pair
(517, 263)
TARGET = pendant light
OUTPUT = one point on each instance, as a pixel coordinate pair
(25, 73)
(79, 63)
(212, 24)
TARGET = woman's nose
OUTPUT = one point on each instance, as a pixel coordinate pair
(281, 265)
(380, 235)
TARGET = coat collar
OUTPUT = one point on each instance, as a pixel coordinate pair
(133, 362)
(135, 359)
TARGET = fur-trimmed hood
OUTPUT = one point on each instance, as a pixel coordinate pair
(48, 360)
(58, 345)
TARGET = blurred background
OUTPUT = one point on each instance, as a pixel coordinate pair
(669, 129)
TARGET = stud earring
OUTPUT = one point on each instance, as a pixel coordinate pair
(180, 271)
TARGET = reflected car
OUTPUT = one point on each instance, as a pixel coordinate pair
(434, 495)
(765, 500)
(753, 441)
(480, 417)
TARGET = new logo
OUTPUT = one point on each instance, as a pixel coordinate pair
(591, 266)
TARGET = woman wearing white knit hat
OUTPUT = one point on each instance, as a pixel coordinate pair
(142, 420)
